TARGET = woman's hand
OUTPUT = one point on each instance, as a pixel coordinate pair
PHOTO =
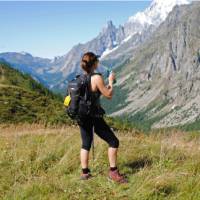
(111, 78)
(108, 86)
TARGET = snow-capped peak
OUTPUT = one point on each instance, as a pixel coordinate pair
(157, 12)
(24, 53)
(154, 15)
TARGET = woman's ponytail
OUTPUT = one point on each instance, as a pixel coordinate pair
(88, 61)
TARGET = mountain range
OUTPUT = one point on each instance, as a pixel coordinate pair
(114, 44)
(156, 56)
(159, 86)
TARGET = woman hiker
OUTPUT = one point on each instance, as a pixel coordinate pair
(89, 64)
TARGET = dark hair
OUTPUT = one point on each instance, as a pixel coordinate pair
(88, 60)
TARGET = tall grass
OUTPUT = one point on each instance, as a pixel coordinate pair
(43, 163)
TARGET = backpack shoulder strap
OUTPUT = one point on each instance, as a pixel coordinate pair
(85, 83)
(77, 76)
(96, 73)
(88, 86)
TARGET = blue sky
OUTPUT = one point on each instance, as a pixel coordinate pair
(49, 29)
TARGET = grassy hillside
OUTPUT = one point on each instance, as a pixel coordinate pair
(22, 99)
(43, 164)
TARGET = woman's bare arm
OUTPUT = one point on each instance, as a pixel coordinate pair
(106, 91)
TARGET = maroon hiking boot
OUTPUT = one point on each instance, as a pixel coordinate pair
(116, 176)
(85, 176)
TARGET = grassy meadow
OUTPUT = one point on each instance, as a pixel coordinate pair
(38, 162)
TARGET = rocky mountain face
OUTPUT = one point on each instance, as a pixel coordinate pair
(114, 44)
(139, 28)
(161, 81)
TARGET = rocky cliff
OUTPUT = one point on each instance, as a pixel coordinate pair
(161, 81)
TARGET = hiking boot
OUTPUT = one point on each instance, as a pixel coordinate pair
(116, 176)
(85, 176)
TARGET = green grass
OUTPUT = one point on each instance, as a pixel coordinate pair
(44, 164)
(22, 99)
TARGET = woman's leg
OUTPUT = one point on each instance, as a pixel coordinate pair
(87, 137)
(84, 156)
(112, 156)
(104, 132)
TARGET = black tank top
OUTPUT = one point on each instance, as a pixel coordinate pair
(95, 95)
(97, 110)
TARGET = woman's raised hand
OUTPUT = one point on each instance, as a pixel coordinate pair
(111, 77)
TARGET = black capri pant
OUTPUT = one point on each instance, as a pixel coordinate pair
(100, 128)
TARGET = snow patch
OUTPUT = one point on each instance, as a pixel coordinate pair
(24, 53)
(157, 12)
(115, 43)
(127, 38)
(108, 51)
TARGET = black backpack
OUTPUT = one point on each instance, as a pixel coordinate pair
(79, 91)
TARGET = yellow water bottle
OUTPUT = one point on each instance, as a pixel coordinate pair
(67, 101)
